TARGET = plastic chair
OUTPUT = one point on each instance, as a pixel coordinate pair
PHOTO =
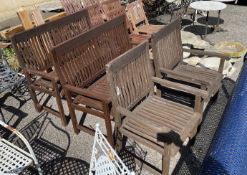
(104, 160)
(13, 159)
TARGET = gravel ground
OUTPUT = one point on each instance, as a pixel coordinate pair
(59, 150)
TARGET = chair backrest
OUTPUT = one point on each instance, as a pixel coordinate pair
(71, 6)
(95, 13)
(167, 46)
(129, 77)
(37, 17)
(81, 60)
(112, 9)
(136, 13)
(33, 46)
(88, 3)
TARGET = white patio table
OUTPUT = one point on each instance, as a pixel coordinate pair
(208, 6)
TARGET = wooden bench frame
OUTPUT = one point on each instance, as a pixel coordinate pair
(85, 86)
(33, 49)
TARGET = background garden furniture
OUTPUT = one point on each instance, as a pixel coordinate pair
(33, 52)
(93, 6)
(157, 123)
(138, 19)
(208, 6)
(168, 60)
(14, 159)
(104, 159)
(84, 83)
(8, 77)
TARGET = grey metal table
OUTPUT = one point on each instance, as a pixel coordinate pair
(208, 6)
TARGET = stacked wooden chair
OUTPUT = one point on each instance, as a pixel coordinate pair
(157, 123)
(168, 59)
(138, 19)
(94, 9)
(33, 49)
(80, 64)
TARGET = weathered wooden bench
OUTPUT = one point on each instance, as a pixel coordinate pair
(33, 49)
(80, 64)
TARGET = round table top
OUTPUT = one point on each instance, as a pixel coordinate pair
(208, 5)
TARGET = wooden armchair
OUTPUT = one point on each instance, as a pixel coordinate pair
(150, 120)
(138, 19)
(80, 64)
(168, 60)
(33, 52)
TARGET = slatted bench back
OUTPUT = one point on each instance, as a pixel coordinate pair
(167, 46)
(130, 77)
(82, 59)
(33, 47)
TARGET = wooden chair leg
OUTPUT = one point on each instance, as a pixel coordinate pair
(37, 106)
(166, 160)
(108, 124)
(60, 106)
(71, 112)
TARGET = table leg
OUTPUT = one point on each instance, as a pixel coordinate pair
(218, 21)
(206, 29)
(218, 28)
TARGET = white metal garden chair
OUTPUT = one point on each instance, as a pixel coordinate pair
(13, 159)
(104, 160)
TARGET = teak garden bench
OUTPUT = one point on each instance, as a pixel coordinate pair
(168, 61)
(33, 49)
(157, 123)
(80, 64)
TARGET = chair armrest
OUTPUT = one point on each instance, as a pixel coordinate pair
(43, 75)
(211, 54)
(181, 87)
(183, 77)
(83, 92)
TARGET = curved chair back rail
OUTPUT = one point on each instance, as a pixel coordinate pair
(228, 152)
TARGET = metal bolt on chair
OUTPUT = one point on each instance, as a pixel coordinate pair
(104, 159)
(13, 159)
